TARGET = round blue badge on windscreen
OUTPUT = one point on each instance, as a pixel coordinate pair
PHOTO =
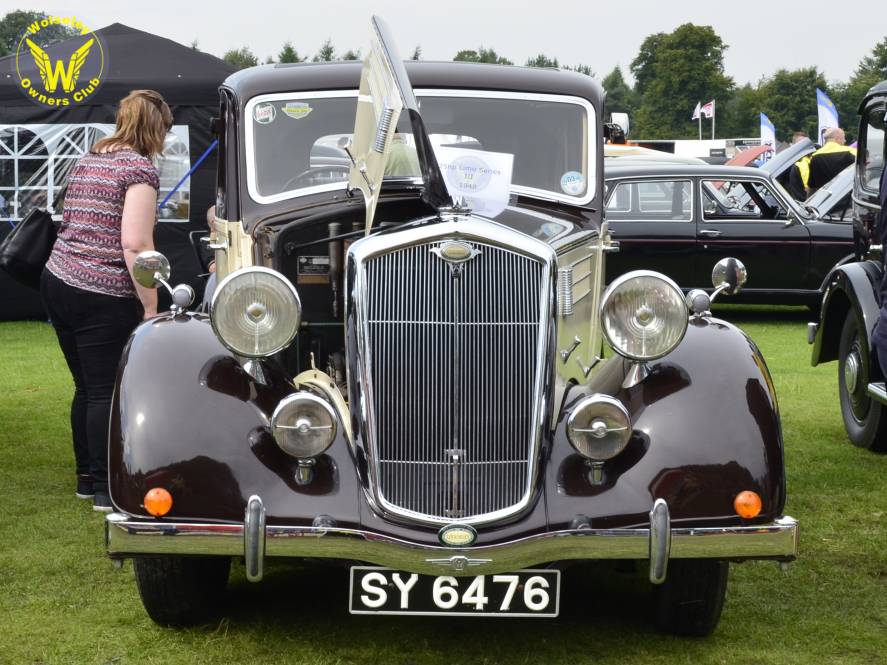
(573, 183)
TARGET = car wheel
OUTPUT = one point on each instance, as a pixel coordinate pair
(864, 419)
(690, 600)
(181, 591)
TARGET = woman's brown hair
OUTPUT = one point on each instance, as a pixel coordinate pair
(143, 120)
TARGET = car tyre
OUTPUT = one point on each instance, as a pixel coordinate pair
(864, 419)
(690, 600)
(181, 591)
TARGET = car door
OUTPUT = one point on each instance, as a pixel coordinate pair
(652, 219)
(745, 217)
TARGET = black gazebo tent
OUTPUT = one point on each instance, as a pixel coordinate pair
(38, 144)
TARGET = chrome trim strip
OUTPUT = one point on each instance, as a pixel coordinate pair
(127, 536)
(360, 362)
(615, 182)
(249, 151)
(590, 141)
(590, 156)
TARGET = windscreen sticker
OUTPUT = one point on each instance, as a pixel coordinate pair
(479, 179)
(573, 183)
(296, 110)
(264, 113)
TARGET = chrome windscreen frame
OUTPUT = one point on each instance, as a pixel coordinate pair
(359, 361)
(590, 154)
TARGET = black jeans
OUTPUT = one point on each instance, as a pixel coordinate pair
(92, 329)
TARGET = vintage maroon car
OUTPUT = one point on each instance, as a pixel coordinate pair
(391, 379)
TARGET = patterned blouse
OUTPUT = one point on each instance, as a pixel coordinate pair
(88, 254)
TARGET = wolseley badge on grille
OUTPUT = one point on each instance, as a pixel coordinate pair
(457, 535)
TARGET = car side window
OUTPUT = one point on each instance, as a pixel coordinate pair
(872, 141)
(651, 200)
(740, 200)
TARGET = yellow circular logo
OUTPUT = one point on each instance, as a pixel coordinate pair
(64, 73)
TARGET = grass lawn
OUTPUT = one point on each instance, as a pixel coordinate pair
(61, 601)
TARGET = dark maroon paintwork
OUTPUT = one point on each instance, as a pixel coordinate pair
(188, 418)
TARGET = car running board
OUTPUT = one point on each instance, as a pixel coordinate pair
(878, 392)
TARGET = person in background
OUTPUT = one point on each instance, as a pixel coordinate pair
(798, 179)
(830, 159)
(799, 173)
(87, 287)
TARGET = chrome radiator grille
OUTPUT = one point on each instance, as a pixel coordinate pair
(454, 378)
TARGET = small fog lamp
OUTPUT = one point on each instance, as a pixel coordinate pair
(599, 427)
(158, 502)
(747, 504)
(304, 425)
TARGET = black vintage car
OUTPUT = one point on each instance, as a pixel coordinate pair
(390, 379)
(850, 297)
(679, 219)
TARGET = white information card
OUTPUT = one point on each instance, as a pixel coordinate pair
(480, 180)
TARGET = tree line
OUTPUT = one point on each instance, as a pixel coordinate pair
(672, 71)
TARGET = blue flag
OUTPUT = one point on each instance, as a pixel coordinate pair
(828, 114)
(768, 136)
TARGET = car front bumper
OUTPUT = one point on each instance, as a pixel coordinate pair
(254, 540)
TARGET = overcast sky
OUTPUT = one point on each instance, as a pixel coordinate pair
(763, 36)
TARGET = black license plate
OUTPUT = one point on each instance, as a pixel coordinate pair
(526, 593)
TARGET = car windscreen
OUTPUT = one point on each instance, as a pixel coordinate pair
(296, 144)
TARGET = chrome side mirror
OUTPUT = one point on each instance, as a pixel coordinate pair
(728, 276)
(151, 269)
(793, 220)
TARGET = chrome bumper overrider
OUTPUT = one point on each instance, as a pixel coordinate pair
(127, 536)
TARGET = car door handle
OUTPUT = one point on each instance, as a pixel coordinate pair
(709, 233)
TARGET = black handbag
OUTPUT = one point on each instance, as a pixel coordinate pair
(25, 251)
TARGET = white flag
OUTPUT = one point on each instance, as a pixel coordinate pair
(709, 109)
(696, 112)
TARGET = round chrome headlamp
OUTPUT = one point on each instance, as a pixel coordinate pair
(303, 425)
(643, 315)
(599, 427)
(256, 312)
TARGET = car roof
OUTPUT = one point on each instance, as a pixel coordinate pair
(616, 169)
(632, 154)
(877, 90)
(299, 77)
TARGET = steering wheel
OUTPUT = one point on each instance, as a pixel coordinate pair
(303, 179)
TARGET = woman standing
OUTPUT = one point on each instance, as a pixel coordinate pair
(87, 287)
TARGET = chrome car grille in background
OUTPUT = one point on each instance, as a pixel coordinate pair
(454, 376)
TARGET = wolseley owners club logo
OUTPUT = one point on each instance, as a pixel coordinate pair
(66, 75)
